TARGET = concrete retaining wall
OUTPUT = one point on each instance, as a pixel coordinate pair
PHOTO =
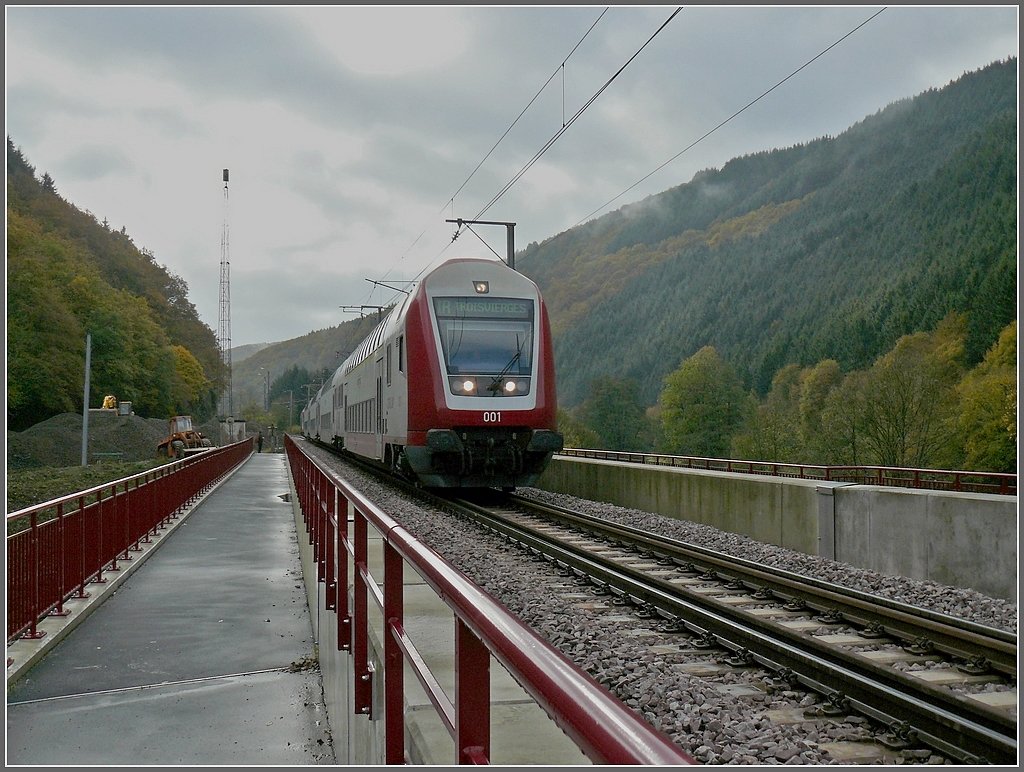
(959, 539)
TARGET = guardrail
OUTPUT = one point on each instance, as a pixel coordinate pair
(933, 479)
(602, 727)
(68, 543)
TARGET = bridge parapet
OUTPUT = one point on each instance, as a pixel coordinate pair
(953, 537)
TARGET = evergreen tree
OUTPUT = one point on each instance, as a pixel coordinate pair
(615, 414)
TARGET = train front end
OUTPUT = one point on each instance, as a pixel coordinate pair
(489, 419)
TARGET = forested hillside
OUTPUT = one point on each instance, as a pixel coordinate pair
(829, 250)
(69, 275)
(294, 363)
(851, 300)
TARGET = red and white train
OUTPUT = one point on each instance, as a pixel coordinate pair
(456, 385)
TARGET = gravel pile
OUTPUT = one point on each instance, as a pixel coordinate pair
(737, 716)
(57, 441)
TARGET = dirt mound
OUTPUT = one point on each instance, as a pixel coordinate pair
(57, 441)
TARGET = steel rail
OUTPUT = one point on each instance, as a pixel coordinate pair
(934, 716)
(954, 637)
(601, 726)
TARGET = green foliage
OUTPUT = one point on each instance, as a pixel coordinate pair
(908, 411)
(615, 414)
(69, 276)
(987, 418)
(316, 355)
(817, 383)
(44, 372)
(831, 250)
(190, 384)
(575, 433)
(287, 395)
(28, 487)
(702, 405)
(913, 407)
(774, 427)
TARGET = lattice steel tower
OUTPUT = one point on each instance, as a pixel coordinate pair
(224, 328)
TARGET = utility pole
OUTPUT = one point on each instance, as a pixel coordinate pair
(510, 234)
(85, 400)
(266, 388)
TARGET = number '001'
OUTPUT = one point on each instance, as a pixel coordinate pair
(492, 417)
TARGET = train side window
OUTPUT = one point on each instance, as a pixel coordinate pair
(401, 353)
(389, 364)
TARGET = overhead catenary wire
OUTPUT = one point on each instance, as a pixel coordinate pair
(557, 70)
(560, 68)
(558, 134)
(724, 122)
(566, 124)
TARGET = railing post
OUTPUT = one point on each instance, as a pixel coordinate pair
(362, 672)
(34, 633)
(344, 616)
(318, 528)
(472, 696)
(82, 574)
(394, 665)
(62, 591)
(330, 540)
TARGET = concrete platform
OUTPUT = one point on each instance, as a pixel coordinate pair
(203, 651)
(198, 652)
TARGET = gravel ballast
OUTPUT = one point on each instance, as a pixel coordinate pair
(719, 716)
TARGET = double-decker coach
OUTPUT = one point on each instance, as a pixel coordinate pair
(455, 387)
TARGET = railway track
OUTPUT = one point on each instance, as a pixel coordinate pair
(842, 644)
(861, 654)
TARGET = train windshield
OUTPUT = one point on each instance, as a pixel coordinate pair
(486, 336)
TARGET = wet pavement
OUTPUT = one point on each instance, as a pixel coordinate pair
(204, 655)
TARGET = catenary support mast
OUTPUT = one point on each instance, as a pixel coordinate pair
(224, 328)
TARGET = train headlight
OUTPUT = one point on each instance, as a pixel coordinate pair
(510, 386)
(468, 386)
(482, 287)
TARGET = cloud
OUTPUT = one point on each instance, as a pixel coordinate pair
(95, 162)
(386, 41)
(348, 130)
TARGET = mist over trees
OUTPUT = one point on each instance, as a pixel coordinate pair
(851, 300)
(860, 289)
(833, 249)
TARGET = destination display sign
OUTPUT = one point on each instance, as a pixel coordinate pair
(483, 308)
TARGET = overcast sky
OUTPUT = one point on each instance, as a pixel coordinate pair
(351, 134)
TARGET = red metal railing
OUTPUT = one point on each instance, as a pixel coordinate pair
(934, 479)
(602, 727)
(70, 542)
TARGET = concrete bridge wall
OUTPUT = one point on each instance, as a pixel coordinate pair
(959, 539)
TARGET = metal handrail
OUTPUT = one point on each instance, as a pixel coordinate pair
(602, 727)
(905, 477)
(70, 542)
